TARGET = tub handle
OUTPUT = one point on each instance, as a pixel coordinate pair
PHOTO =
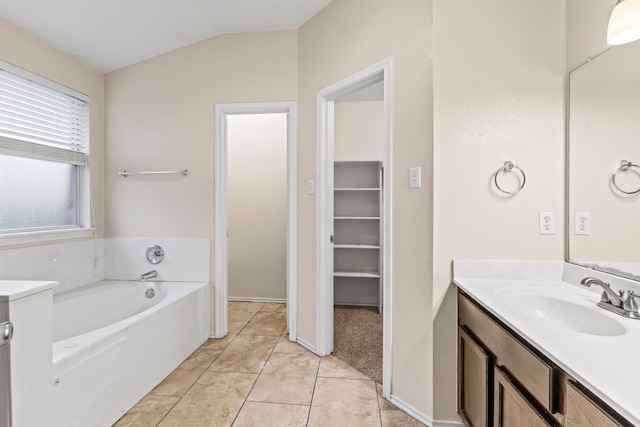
(155, 254)
(7, 332)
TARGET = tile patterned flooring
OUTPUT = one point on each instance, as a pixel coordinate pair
(256, 377)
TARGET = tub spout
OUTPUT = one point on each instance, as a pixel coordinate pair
(149, 275)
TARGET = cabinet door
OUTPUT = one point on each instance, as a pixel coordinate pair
(510, 407)
(474, 368)
(583, 411)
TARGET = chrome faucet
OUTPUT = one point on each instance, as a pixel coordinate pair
(608, 295)
(612, 301)
(149, 275)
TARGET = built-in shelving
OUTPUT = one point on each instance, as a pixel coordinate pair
(356, 246)
(356, 189)
(357, 233)
(356, 217)
(372, 275)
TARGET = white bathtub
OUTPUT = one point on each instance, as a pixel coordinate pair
(112, 345)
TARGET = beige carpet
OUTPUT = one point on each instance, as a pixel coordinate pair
(357, 339)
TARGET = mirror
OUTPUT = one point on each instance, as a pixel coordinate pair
(604, 130)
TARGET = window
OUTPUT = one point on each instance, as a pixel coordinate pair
(44, 151)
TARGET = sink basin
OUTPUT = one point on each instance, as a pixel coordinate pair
(561, 313)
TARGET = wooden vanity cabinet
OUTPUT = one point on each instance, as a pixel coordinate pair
(474, 381)
(504, 382)
(585, 410)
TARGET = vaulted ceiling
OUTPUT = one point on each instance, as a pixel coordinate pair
(107, 35)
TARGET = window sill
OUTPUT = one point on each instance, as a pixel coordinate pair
(35, 237)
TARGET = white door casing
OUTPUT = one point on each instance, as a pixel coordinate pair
(221, 279)
(381, 71)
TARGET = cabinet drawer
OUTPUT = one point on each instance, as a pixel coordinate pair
(525, 366)
(511, 408)
(584, 411)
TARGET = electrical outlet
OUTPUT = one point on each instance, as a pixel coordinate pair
(546, 223)
(312, 187)
(583, 223)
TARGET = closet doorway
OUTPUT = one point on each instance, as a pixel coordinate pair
(254, 243)
(354, 205)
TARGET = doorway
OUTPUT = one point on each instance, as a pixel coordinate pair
(358, 300)
(257, 207)
(377, 75)
(229, 117)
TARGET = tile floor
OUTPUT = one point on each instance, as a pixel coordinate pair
(256, 377)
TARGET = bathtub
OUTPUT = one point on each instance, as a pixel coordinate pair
(115, 341)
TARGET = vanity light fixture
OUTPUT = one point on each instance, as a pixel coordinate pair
(624, 23)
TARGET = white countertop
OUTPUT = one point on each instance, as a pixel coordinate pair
(608, 365)
(14, 289)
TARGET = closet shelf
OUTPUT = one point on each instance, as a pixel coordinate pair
(366, 274)
(355, 246)
(356, 217)
(357, 255)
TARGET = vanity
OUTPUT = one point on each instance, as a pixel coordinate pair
(539, 343)
(534, 349)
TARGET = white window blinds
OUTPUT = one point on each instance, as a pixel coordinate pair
(42, 122)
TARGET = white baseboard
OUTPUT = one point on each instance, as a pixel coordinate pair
(421, 417)
(306, 345)
(409, 410)
(246, 299)
(357, 304)
(447, 424)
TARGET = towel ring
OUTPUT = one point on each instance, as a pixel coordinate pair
(507, 168)
(624, 165)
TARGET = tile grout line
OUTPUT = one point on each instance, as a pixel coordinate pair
(315, 384)
(261, 369)
(200, 376)
(171, 409)
(375, 385)
(194, 383)
(180, 397)
(254, 317)
(257, 378)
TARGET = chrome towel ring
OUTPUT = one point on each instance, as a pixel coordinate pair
(624, 166)
(508, 168)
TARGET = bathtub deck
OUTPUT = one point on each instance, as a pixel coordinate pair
(256, 376)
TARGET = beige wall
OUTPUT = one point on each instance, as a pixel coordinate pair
(160, 115)
(257, 205)
(345, 37)
(24, 51)
(358, 131)
(498, 95)
(586, 30)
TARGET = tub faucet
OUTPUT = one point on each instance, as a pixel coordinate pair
(149, 275)
(608, 296)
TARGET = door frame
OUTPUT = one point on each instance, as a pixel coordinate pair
(380, 71)
(221, 261)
